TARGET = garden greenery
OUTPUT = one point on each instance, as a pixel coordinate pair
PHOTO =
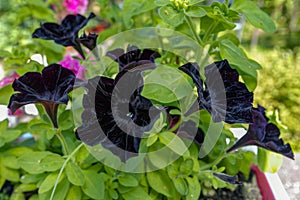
(145, 100)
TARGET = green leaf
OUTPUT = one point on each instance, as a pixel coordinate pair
(82, 154)
(10, 135)
(160, 182)
(238, 60)
(16, 195)
(65, 120)
(255, 15)
(32, 178)
(158, 125)
(248, 158)
(9, 174)
(26, 187)
(18, 151)
(162, 2)
(151, 139)
(187, 166)
(172, 141)
(195, 11)
(128, 181)
(180, 185)
(136, 194)
(49, 182)
(51, 162)
(74, 193)
(2, 181)
(133, 8)
(6, 92)
(38, 162)
(193, 2)
(194, 188)
(74, 174)
(94, 184)
(34, 197)
(4, 54)
(171, 16)
(166, 84)
(3, 126)
(269, 161)
(62, 190)
(10, 161)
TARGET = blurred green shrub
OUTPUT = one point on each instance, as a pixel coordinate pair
(279, 88)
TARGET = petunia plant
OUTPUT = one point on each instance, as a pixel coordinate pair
(144, 111)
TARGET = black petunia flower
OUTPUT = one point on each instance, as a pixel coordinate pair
(227, 178)
(66, 33)
(50, 88)
(133, 57)
(89, 41)
(222, 94)
(263, 134)
(115, 113)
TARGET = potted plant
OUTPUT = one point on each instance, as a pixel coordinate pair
(143, 110)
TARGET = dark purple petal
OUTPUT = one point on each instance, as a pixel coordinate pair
(192, 69)
(238, 102)
(89, 41)
(133, 57)
(49, 88)
(227, 178)
(65, 34)
(263, 134)
(222, 94)
(121, 113)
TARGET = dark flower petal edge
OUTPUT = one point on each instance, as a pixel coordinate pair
(89, 41)
(66, 33)
(49, 88)
(236, 108)
(133, 57)
(263, 134)
(227, 178)
(100, 126)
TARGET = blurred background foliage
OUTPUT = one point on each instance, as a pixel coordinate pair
(279, 53)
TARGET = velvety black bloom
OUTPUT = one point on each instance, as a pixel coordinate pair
(89, 41)
(263, 134)
(115, 113)
(133, 57)
(222, 94)
(66, 33)
(50, 88)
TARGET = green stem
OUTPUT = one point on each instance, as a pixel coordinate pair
(209, 30)
(62, 141)
(62, 169)
(215, 162)
(190, 24)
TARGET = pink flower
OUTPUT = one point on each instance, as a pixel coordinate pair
(8, 80)
(18, 112)
(76, 6)
(74, 65)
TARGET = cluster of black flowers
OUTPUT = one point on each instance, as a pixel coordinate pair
(116, 114)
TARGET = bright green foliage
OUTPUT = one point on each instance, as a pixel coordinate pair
(55, 165)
